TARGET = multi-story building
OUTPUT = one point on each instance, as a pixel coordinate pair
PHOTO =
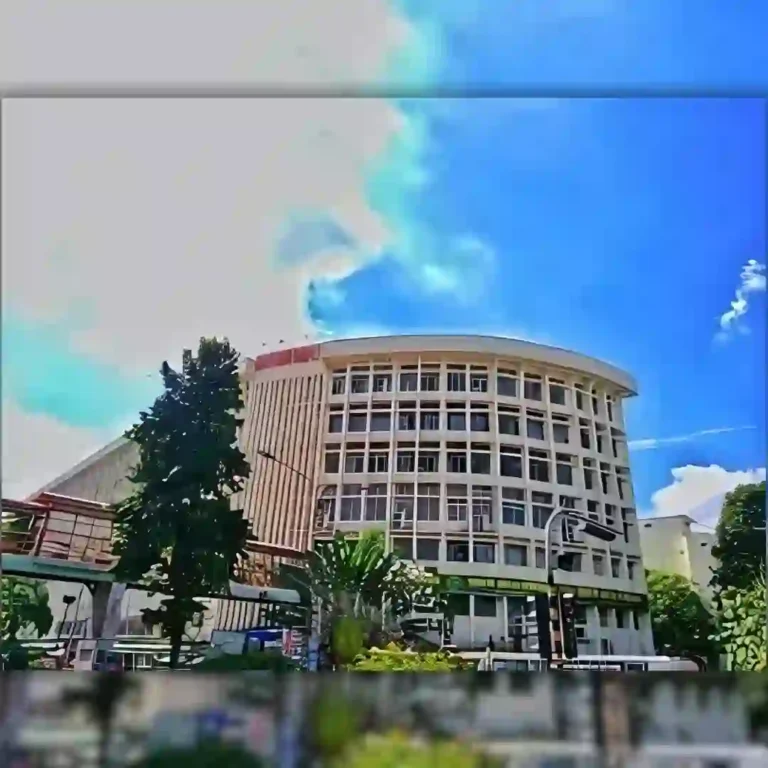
(676, 544)
(459, 447)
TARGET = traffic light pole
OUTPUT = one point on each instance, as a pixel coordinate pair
(555, 602)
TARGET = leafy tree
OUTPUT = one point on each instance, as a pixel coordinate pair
(681, 623)
(205, 755)
(101, 699)
(400, 750)
(177, 534)
(25, 610)
(740, 546)
(742, 629)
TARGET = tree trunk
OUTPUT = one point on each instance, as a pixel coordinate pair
(176, 636)
(104, 739)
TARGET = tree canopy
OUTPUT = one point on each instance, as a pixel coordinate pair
(177, 534)
(681, 624)
(742, 629)
(740, 545)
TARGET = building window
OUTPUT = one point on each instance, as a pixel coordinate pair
(540, 558)
(457, 381)
(428, 549)
(538, 466)
(402, 547)
(457, 458)
(560, 431)
(535, 425)
(589, 474)
(457, 420)
(579, 391)
(515, 554)
(610, 514)
(378, 460)
(381, 420)
(620, 619)
(382, 382)
(584, 435)
(338, 383)
(402, 512)
(428, 502)
(360, 383)
(409, 381)
(595, 404)
(482, 506)
(616, 567)
(532, 387)
(486, 606)
(480, 459)
(541, 508)
(335, 422)
(358, 422)
(459, 604)
(564, 469)
(603, 616)
(458, 551)
(430, 381)
(332, 459)
(484, 553)
(354, 462)
(609, 408)
(457, 503)
(406, 417)
(430, 416)
(429, 460)
(509, 422)
(351, 503)
(479, 420)
(478, 382)
(510, 461)
(326, 505)
(557, 393)
(513, 506)
(598, 565)
(376, 502)
(406, 459)
(604, 477)
(631, 569)
(506, 383)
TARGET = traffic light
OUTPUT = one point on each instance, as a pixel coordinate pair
(543, 633)
(568, 625)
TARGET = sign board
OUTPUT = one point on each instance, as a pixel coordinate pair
(474, 584)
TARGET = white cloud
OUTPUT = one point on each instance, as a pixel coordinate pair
(652, 443)
(751, 280)
(37, 448)
(699, 492)
(141, 225)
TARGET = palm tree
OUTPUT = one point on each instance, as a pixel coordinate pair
(101, 699)
(358, 584)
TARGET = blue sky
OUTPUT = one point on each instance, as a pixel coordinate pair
(617, 227)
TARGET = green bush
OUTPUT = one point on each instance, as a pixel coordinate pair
(393, 659)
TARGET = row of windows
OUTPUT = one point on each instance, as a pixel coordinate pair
(508, 384)
(426, 503)
(479, 459)
(478, 417)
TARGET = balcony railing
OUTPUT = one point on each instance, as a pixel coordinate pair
(59, 528)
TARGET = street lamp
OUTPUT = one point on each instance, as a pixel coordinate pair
(583, 525)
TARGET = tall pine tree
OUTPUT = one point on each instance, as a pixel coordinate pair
(177, 534)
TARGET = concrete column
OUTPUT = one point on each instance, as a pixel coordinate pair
(107, 599)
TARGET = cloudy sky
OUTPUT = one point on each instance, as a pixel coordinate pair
(629, 229)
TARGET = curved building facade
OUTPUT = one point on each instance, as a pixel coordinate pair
(459, 447)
